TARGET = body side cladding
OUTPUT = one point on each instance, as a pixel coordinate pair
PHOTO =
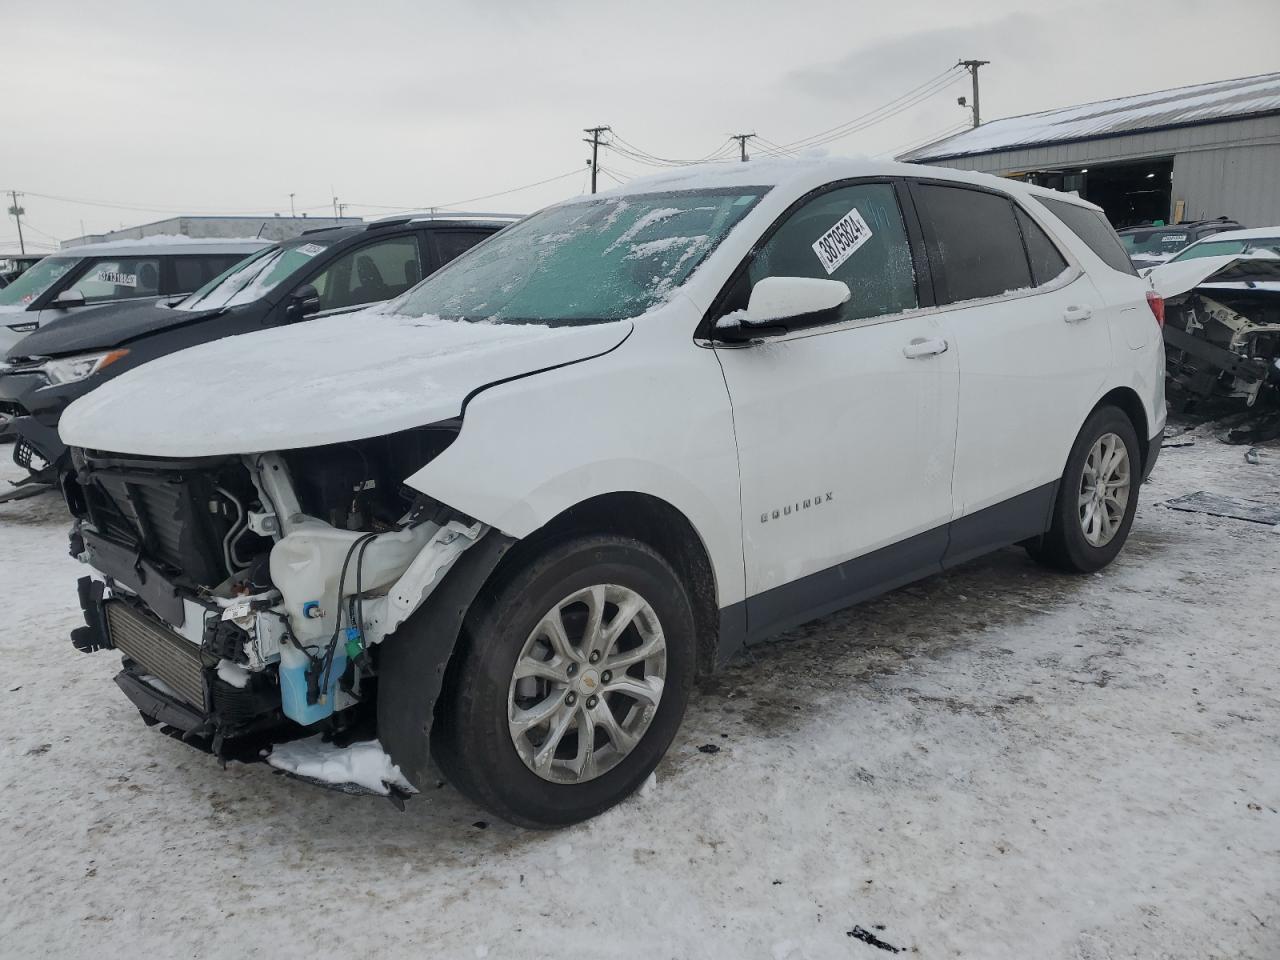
(1026, 515)
(412, 661)
(780, 608)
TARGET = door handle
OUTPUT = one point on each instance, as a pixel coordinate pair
(1076, 314)
(920, 347)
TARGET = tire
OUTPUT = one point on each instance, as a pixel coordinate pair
(483, 739)
(1077, 541)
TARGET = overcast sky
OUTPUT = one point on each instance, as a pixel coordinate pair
(230, 106)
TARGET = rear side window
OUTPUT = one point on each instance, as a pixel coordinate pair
(975, 240)
(1092, 227)
(450, 244)
(192, 273)
(1046, 260)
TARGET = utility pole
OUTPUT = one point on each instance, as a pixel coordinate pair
(292, 211)
(742, 139)
(16, 212)
(972, 66)
(595, 149)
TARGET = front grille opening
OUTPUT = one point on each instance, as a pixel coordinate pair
(187, 517)
(158, 651)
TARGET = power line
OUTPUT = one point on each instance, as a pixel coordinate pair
(972, 66)
(595, 150)
(915, 143)
(892, 108)
(16, 212)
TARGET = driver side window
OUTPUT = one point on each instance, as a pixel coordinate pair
(370, 274)
(854, 234)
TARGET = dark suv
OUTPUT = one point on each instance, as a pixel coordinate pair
(323, 272)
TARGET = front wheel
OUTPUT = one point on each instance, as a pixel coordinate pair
(1097, 497)
(574, 680)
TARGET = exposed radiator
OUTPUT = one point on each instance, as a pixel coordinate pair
(158, 650)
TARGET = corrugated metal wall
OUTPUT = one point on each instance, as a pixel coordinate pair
(1227, 169)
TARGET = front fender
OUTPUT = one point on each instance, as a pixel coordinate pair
(412, 661)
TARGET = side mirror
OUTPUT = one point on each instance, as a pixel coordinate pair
(304, 302)
(67, 299)
(780, 304)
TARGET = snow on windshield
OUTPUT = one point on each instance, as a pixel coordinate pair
(591, 261)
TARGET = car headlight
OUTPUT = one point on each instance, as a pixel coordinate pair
(71, 369)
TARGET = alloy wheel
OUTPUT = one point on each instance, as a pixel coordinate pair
(1104, 490)
(587, 684)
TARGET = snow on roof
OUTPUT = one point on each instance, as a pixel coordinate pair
(806, 173)
(1204, 102)
(1253, 233)
(149, 245)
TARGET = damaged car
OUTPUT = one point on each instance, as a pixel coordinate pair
(505, 520)
(1222, 325)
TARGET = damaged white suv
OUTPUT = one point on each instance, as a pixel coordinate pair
(507, 518)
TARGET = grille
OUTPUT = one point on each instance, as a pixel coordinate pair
(158, 650)
(167, 518)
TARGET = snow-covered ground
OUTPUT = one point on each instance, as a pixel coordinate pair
(1000, 762)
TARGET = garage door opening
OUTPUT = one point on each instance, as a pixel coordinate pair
(1130, 193)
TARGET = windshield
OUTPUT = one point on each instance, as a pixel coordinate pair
(36, 281)
(254, 278)
(587, 262)
(1163, 240)
(1227, 248)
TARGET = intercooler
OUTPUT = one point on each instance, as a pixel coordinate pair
(158, 650)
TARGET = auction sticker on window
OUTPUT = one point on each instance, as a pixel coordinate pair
(310, 249)
(117, 278)
(839, 243)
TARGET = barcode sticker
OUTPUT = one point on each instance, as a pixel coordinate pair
(839, 243)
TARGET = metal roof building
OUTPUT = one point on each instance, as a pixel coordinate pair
(1190, 153)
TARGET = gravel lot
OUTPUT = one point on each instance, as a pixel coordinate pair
(999, 762)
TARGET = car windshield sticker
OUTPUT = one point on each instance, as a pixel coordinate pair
(310, 249)
(838, 244)
(1173, 238)
(117, 278)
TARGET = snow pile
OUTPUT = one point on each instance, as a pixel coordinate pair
(364, 764)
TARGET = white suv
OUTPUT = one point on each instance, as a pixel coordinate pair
(512, 514)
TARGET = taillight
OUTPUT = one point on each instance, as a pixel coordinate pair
(1156, 303)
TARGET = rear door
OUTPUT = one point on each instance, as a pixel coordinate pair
(1033, 353)
(845, 430)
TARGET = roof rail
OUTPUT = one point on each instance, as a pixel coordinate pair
(412, 215)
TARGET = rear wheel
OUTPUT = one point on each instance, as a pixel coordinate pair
(573, 684)
(1097, 497)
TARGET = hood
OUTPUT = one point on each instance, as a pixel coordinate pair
(104, 327)
(329, 380)
(1175, 279)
